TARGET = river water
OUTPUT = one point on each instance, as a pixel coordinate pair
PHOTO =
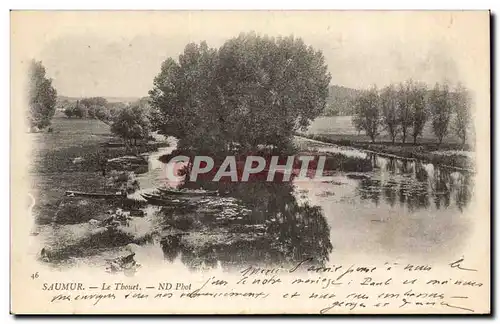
(398, 208)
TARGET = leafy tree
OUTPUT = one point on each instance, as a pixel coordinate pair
(92, 105)
(68, 111)
(389, 104)
(367, 113)
(94, 101)
(62, 104)
(103, 114)
(91, 110)
(441, 110)
(131, 124)
(41, 96)
(462, 108)
(111, 111)
(144, 102)
(252, 91)
(339, 101)
(404, 108)
(272, 87)
(95, 108)
(75, 110)
(79, 111)
(183, 98)
(419, 114)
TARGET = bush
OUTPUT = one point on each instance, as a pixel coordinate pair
(124, 181)
(78, 210)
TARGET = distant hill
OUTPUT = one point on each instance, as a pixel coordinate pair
(109, 99)
(122, 99)
(339, 102)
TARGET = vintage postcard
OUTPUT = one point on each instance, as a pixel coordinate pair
(250, 162)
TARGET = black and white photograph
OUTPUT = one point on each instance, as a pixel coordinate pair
(250, 162)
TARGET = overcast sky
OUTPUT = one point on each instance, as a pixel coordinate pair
(118, 54)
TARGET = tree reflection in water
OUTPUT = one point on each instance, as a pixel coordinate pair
(264, 224)
(416, 185)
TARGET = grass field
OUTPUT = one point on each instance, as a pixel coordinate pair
(341, 128)
(53, 170)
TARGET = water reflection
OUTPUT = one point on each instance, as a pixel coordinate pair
(262, 223)
(463, 192)
(257, 223)
(415, 185)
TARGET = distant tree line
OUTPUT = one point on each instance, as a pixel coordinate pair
(129, 121)
(92, 108)
(404, 109)
(251, 92)
(339, 101)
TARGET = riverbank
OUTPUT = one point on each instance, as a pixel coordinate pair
(261, 223)
(68, 159)
(447, 154)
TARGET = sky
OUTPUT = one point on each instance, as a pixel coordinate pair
(117, 54)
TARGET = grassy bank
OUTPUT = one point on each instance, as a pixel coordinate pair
(77, 139)
(448, 154)
(67, 159)
(339, 130)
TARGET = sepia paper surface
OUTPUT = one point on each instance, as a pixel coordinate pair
(383, 259)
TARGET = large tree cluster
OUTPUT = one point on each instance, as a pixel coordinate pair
(252, 91)
(404, 110)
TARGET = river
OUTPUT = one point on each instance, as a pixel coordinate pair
(394, 209)
(398, 208)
